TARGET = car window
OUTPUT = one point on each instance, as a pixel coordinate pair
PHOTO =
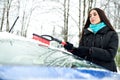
(21, 52)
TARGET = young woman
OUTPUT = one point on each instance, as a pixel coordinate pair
(99, 41)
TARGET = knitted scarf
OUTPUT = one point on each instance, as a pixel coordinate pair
(96, 27)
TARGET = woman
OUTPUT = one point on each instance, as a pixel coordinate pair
(99, 41)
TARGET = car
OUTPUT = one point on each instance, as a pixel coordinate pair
(30, 59)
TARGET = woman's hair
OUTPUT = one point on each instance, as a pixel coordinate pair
(102, 16)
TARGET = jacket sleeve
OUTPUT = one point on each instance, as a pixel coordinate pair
(109, 53)
(81, 51)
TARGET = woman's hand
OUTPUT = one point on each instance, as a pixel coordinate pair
(68, 46)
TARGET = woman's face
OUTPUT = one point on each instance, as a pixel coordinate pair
(94, 17)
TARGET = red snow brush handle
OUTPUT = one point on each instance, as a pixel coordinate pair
(41, 39)
(47, 38)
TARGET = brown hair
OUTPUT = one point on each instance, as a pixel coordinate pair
(102, 17)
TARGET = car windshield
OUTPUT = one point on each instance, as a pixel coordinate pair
(21, 52)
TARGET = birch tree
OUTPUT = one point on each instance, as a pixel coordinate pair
(3, 15)
(7, 14)
(66, 18)
(84, 7)
(26, 16)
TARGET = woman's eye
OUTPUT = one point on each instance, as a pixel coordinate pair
(90, 15)
(94, 14)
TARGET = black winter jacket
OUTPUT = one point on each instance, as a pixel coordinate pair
(99, 48)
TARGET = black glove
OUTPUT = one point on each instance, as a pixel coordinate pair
(82, 51)
(68, 46)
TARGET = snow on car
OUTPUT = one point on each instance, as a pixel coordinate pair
(29, 59)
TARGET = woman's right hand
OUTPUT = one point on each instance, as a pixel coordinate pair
(68, 46)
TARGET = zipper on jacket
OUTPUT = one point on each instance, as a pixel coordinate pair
(93, 43)
(101, 41)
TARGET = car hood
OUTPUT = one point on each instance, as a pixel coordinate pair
(11, 72)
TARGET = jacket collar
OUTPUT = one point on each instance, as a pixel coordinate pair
(102, 31)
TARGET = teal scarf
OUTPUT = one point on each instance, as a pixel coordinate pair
(96, 27)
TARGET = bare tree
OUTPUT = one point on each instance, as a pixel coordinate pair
(84, 7)
(113, 11)
(8, 6)
(116, 15)
(6, 14)
(26, 17)
(66, 18)
(3, 16)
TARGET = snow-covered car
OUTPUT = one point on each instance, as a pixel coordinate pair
(28, 59)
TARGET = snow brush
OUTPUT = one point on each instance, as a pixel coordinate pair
(47, 38)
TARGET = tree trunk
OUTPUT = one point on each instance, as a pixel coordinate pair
(3, 17)
(66, 18)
